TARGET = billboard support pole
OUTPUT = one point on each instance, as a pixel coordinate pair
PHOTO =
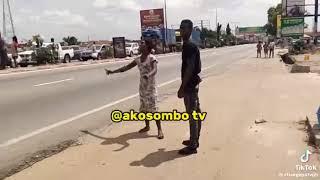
(315, 28)
(166, 22)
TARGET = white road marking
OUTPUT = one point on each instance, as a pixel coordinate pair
(61, 123)
(53, 82)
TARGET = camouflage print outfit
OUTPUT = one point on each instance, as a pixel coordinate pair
(147, 89)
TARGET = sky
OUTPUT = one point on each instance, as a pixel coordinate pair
(104, 19)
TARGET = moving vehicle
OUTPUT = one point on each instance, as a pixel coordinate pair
(132, 49)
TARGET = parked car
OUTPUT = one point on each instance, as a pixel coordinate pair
(101, 52)
(77, 52)
(10, 60)
(65, 54)
(132, 49)
(86, 54)
(26, 58)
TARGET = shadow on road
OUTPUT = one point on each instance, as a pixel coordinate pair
(121, 140)
(157, 158)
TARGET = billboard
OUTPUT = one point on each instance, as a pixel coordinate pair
(119, 47)
(278, 26)
(152, 19)
(252, 30)
(293, 8)
(292, 27)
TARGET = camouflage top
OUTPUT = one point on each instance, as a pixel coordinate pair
(147, 88)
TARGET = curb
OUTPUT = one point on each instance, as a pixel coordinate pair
(50, 68)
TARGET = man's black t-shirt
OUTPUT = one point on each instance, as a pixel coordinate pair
(191, 58)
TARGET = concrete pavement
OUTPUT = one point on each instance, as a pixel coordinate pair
(232, 145)
(44, 108)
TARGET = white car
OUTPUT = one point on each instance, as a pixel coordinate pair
(25, 58)
(132, 49)
(65, 53)
(99, 51)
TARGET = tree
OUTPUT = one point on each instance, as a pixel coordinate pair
(71, 40)
(219, 32)
(271, 26)
(228, 30)
(38, 40)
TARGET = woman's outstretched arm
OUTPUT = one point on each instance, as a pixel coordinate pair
(122, 69)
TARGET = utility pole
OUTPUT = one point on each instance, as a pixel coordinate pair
(6, 13)
(4, 19)
(201, 25)
(11, 19)
(216, 18)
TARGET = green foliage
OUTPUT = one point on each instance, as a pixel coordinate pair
(45, 55)
(271, 26)
(38, 40)
(208, 34)
(228, 30)
(71, 40)
(219, 31)
(109, 52)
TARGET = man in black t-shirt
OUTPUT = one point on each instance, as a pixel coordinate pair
(191, 67)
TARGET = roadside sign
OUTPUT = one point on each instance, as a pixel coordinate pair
(278, 26)
(292, 27)
(294, 8)
(152, 19)
(119, 47)
(252, 30)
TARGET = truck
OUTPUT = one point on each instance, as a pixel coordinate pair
(195, 38)
(169, 35)
(65, 54)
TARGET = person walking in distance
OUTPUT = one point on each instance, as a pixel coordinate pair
(189, 89)
(14, 47)
(259, 49)
(266, 49)
(271, 49)
(147, 65)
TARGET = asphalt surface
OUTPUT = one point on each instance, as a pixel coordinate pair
(39, 109)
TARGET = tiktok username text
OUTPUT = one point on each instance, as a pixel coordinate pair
(119, 116)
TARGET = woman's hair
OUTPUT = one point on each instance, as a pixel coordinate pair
(15, 39)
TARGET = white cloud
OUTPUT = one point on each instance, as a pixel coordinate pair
(63, 17)
(100, 3)
(122, 4)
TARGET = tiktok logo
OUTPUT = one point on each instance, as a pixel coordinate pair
(305, 156)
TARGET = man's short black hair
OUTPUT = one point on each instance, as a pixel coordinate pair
(188, 22)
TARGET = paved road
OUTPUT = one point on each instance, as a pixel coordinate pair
(42, 108)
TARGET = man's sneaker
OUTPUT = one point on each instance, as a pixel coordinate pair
(188, 151)
(187, 143)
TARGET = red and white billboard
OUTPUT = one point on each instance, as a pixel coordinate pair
(152, 19)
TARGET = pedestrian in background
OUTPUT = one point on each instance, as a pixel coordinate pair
(189, 89)
(271, 49)
(14, 49)
(259, 49)
(147, 64)
(266, 49)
